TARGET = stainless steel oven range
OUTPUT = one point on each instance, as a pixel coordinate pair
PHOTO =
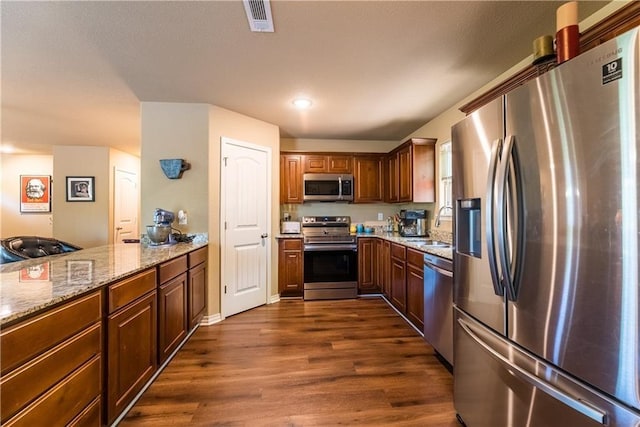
(330, 258)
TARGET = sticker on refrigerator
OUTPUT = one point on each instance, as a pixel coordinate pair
(612, 71)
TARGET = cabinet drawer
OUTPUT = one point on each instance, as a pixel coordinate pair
(171, 269)
(197, 257)
(291, 244)
(398, 251)
(27, 383)
(65, 400)
(127, 290)
(415, 258)
(91, 416)
(26, 340)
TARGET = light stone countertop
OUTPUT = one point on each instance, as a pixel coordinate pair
(29, 286)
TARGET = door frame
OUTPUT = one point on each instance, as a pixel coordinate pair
(136, 174)
(224, 141)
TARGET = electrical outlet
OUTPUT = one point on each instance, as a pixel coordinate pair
(380, 216)
(182, 217)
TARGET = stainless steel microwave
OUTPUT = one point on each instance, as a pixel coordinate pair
(328, 187)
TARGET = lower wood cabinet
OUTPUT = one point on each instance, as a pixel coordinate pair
(398, 277)
(132, 330)
(415, 288)
(197, 287)
(52, 364)
(172, 305)
(290, 267)
(367, 274)
(172, 315)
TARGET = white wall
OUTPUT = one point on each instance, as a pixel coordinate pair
(175, 131)
(12, 221)
(338, 145)
(82, 223)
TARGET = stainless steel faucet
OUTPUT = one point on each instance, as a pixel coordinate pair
(437, 221)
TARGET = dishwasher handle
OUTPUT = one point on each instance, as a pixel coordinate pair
(438, 269)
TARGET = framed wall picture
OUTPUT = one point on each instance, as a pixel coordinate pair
(35, 193)
(81, 189)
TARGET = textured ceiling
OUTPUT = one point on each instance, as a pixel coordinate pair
(75, 72)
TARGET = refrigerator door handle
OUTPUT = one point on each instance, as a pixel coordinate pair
(509, 175)
(581, 406)
(490, 217)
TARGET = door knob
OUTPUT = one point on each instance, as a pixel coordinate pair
(264, 235)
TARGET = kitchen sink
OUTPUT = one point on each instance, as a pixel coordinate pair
(429, 242)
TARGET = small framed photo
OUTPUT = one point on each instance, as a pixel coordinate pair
(81, 189)
(80, 272)
(35, 193)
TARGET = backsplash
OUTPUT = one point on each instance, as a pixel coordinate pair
(359, 213)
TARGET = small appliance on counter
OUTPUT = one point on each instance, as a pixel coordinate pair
(160, 232)
(413, 223)
(290, 227)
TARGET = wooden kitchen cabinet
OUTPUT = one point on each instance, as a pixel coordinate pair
(368, 178)
(398, 277)
(367, 276)
(197, 290)
(52, 364)
(290, 267)
(411, 172)
(172, 306)
(385, 267)
(132, 336)
(291, 178)
(327, 163)
(415, 288)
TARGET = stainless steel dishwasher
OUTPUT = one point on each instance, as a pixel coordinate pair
(438, 305)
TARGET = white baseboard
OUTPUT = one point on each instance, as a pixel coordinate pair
(274, 298)
(211, 319)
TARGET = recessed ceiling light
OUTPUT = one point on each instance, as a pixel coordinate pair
(302, 103)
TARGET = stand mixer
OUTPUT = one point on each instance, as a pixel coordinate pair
(160, 233)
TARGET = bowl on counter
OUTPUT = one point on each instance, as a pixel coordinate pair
(158, 233)
(368, 229)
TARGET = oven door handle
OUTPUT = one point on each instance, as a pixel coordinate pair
(319, 248)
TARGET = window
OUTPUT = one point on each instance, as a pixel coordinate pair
(445, 178)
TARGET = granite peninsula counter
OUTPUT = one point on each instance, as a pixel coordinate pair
(27, 287)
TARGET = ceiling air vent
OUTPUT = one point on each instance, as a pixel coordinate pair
(259, 15)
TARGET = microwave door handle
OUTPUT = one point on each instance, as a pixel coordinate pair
(340, 187)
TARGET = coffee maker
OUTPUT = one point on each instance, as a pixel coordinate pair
(413, 223)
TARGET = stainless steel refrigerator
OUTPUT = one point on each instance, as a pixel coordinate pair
(546, 294)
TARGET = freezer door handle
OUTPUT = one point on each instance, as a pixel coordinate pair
(581, 406)
(490, 217)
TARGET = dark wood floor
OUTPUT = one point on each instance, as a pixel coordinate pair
(295, 363)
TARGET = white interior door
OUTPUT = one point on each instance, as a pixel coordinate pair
(126, 202)
(245, 215)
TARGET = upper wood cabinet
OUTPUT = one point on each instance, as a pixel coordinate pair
(291, 178)
(411, 172)
(328, 163)
(368, 178)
